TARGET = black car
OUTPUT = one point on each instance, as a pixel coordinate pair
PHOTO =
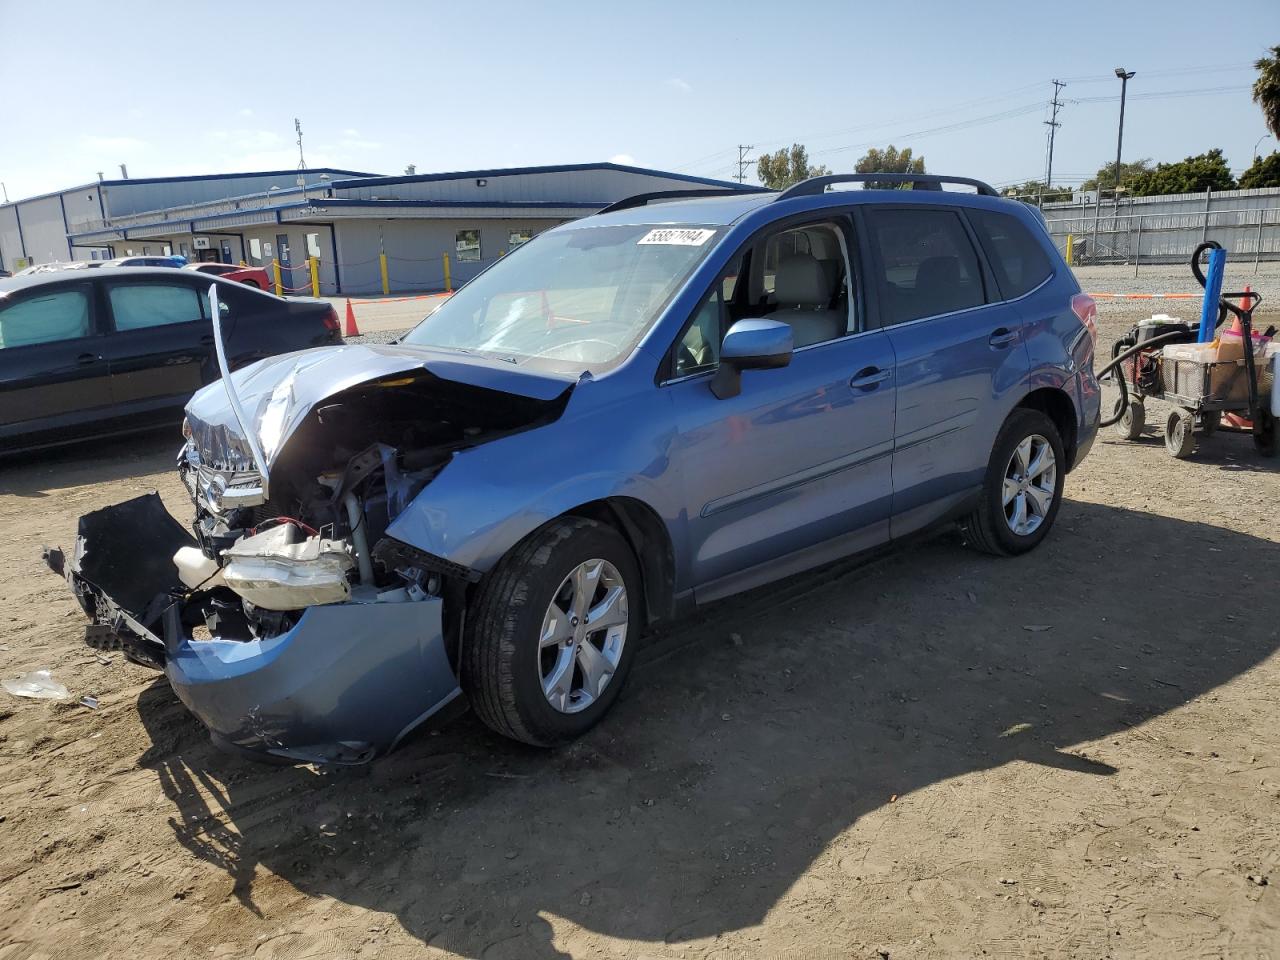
(122, 349)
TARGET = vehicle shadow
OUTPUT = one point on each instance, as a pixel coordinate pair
(747, 740)
(37, 473)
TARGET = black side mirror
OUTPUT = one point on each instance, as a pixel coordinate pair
(751, 345)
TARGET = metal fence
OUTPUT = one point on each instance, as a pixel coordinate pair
(1167, 229)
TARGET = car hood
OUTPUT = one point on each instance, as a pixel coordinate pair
(277, 393)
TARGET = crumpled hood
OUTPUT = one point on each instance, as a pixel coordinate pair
(277, 393)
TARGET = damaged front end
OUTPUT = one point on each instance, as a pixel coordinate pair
(286, 618)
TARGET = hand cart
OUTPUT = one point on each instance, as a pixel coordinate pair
(1160, 361)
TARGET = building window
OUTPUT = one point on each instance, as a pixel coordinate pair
(313, 245)
(517, 237)
(467, 243)
(182, 249)
(255, 251)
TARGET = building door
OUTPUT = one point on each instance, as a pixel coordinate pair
(286, 264)
(226, 252)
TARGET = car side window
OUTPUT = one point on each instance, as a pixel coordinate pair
(804, 281)
(928, 266)
(142, 305)
(63, 315)
(1019, 262)
(698, 349)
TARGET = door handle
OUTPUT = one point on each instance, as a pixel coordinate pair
(1002, 337)
(87, 358)
(869, 378)
(206, 340)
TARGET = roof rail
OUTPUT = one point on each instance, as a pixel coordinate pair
(643, 199)
(918, 181)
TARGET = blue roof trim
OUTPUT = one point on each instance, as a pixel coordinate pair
(499, 204)
(554, 168)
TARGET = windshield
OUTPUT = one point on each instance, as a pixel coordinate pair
(575, 299)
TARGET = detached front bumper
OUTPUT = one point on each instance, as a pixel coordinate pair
(344, 685)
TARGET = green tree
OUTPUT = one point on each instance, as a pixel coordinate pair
(1033, 189)
(1105, 178)
(1207, 171)
(777, 171)
(1265, 172)
(1266, 90)
(889, 160)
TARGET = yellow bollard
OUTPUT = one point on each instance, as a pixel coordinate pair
(382, 264)
(448, 282)
(315, 275)
(275, 266)
(1071, 243)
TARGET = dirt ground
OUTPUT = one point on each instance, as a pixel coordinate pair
(932, 754)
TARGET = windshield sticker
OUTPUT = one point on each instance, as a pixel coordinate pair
(678, 238)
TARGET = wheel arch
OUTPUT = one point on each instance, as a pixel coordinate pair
(1058, 406)
(649, 540)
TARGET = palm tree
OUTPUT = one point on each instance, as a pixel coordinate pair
(1266, 90)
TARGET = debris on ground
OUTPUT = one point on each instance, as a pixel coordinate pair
(38, 685)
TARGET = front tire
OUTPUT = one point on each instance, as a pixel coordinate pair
(552, 631)
(1022, 489)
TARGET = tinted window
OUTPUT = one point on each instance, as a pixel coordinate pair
(55, 316)
(1019, 262)
(929, 266)
(136, 306)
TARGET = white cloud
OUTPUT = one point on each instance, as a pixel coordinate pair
(352, 134)
(246, 112)
(625, 159)
(675, 83)
(114, 144)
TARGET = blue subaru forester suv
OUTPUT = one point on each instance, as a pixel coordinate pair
(660, 405)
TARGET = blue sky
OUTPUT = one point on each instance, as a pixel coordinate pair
(182, 88)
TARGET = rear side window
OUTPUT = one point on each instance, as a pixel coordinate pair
(136, 306)
(929, 266)
(1019, 262)
(53, 317)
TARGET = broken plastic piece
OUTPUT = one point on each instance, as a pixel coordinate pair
(90, 702)
(39, 685)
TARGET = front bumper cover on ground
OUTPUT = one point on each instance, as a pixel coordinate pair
(344, 685)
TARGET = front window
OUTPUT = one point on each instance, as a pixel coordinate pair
(467, 245)
(575, 299)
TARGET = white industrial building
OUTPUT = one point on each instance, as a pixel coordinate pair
(340, 220)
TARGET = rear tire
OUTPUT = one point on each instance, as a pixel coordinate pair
(996, 526)
(1179, 435)
(510, 657)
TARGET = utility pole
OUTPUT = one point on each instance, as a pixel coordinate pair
(743, 159)
(1124, 86)
(1053, 129)
(302, 161)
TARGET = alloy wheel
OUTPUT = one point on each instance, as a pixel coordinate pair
(583, 633)
(1030, 484)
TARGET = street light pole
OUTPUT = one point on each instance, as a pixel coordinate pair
(1125, 77)
(1265, 136)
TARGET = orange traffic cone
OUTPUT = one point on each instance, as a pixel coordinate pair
(351, 329)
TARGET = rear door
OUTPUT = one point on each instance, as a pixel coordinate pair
(961, 356)
(53, 369)
(160, 348)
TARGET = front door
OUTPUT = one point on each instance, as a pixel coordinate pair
(796, 468)
(960, 358)
(160, 350)
(286, 263)
(53, 369)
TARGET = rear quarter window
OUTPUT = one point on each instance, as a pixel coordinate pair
(1019, 261)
